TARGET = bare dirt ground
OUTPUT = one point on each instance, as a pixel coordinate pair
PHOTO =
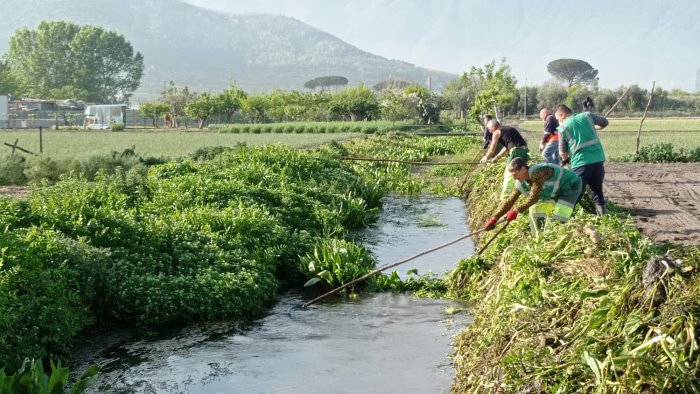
(664, 198)
(14, 191)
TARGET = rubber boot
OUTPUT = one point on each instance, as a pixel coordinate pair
(600, 210)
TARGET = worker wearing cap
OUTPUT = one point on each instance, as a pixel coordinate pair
(514, 145)
(549, 189)
(579, 145)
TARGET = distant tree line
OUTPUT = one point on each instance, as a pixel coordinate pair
(61, 60)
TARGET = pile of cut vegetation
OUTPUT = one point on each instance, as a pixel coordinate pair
(589, 306)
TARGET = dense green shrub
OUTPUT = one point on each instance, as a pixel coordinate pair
(51, 287)
(118, 127)
(12, 170)
(664, 153)
(189, 240)
(50, 170)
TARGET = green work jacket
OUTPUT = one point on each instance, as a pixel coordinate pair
(562, 181)
(579, 134)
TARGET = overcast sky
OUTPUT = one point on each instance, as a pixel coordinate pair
(628, 41)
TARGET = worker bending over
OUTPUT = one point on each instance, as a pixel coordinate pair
(514, 145)
(549, 189)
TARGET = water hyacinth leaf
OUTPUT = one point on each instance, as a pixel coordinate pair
(326, 275)
(58, 379)
(87, 379)
(593, 364)
(412, 271)
(632, 324)
(594, 294)
(599, 316)
(312, 281)
(647, 344)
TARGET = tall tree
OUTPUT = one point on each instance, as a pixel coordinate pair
(572, 71)
(497, 89)
(176, 98)
(8, 84)
(358, 102)
(326, 81)
(230, 101)
(153, 110)
(62, 60)
(202, 108)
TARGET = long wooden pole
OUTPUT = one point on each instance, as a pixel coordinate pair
(639, 132)
(386, 267)
(617, 102)
(418, 163)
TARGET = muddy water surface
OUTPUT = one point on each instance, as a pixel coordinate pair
(376, 343)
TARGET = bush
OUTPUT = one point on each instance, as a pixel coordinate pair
(664, 153)
(50, 170)
(50, 288)
(118, 127)
(12, 170)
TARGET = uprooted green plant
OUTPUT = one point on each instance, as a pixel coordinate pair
(571, 311)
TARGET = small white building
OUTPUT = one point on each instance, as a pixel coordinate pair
(104, 116)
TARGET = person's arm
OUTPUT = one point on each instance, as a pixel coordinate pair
(507, 204)
(563, 146)
(500, 154)
(495, 136)
(538, 180)
(599, 121)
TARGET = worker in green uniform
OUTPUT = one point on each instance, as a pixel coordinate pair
(579, 145)
(549, 189)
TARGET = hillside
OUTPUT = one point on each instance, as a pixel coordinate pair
(206, 50)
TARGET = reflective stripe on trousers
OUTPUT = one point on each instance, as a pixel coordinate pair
(560, 211)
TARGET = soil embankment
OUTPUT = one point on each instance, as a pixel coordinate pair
(664, 198)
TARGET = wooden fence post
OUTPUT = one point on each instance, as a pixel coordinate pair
(639, 132)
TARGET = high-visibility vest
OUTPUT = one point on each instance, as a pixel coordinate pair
(579, 134)
(562, 179)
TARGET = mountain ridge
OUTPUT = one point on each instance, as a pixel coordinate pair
(207, 50)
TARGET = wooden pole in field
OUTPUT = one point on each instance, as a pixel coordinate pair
(639, 132)
(617, 102)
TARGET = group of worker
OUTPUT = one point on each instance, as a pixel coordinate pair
(549, 187)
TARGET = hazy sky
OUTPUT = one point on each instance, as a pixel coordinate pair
(628, 41)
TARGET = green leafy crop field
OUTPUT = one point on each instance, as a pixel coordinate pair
(81, 145)
(620, 137)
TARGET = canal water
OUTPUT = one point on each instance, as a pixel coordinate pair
(375, 343)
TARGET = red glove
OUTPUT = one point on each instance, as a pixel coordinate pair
(490, 224)
(511, 215)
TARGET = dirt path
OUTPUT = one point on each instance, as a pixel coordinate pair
(15, 191)
(665, 198)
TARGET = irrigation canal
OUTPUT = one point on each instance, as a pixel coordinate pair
(375, 343)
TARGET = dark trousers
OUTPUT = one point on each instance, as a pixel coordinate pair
(592, 175)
